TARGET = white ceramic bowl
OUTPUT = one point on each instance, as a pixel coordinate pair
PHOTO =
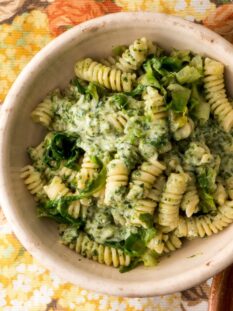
(53, 67)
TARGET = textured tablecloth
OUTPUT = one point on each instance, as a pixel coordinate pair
(25, 27)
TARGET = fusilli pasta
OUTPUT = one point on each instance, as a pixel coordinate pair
(117, 180)
(216, 94)
(103, 254)
(206, 225)
(143, 179)
(154, 104)
(170, 201)
(135, 55)
(33, 181)
(190, 199)
(111, 78)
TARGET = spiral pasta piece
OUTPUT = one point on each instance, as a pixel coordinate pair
(103, 254)
(56, 189)
(185, 131)
(33, 181)
(220, 194)
(87, 172)
(142, 208)
(216, 93)
(190, 199)
(229, 186)
(110, 61)
(142, 179)
(206, 225)
(43, 113)
(111, 78)
(117, 180)
(171, 243)
(135, 55)
(157, 189)
(154, 104)
(118, 120)
(68, 174)
(157, 244)
(170, 201)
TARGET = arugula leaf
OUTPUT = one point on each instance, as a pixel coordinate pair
(118, 50)
(197, 62)
(176, 60)
(133, 264)
(180, 97)
(199, 108)
(206, 178)
(57, 210)
(94, 91)
(77, 82)
(171, 63)
(134, 245)
(157, 66)
(120, 100)
(150, 258)
(188, 74)
(137, 91)
(183, 55)
(96, 160)
(207, 203)
(149, 78)
(62, 147)
(91, 91)
(147, 219)
(95, 185)
(149, 234)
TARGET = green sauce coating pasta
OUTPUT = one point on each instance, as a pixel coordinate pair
(138, 154)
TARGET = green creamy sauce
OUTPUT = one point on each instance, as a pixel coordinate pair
(110, 157)
(220, 143)
(101, 129)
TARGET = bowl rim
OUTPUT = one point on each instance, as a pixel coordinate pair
(131, 289)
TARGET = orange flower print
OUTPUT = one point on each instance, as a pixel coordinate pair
(221, 21)
(64, 14)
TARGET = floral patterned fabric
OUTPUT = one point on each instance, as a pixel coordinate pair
(25, 27)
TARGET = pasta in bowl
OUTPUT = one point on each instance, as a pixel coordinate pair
(130, 166)
(136, 159)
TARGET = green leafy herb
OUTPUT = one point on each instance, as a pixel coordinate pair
(120, 100)
(147, 219)
(94, 91)
(207, 178)
(134, 245)
(137, 91)
(95, 185)
(77, 82)
(62, 147)
(180, 97)
(149, 78)
(149, 234)
(133, 264)
(188, 74)
(118, 50)
(197, 62)
(199, 108)
(150, 258)
(207, 203)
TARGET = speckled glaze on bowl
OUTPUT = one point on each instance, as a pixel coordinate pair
(53, 67)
